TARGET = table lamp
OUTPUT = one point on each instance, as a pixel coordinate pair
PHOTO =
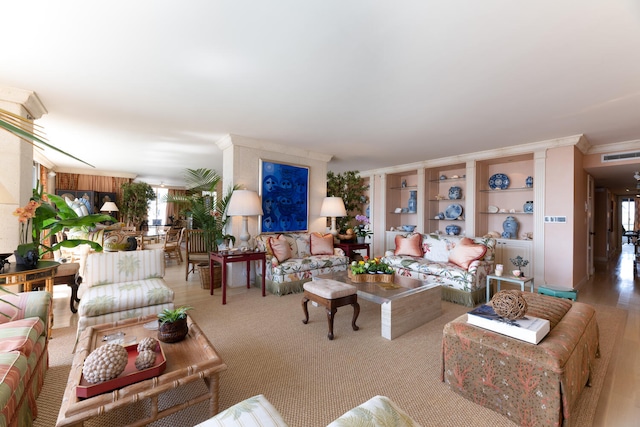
(333, 207)
(244, 203)
(109, 207)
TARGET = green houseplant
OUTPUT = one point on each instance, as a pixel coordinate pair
(350, 187)
(208, 212)
(135, 202)
(172, 324)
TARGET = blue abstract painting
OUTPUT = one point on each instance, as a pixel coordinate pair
(285, 197)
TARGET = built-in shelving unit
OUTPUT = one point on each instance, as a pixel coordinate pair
(440, 181)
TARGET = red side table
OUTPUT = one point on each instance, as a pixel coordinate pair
(225, 257)
(349, 248)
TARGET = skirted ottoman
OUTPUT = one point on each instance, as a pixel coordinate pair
(530, 384)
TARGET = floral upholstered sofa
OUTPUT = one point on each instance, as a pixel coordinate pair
(288, 269)
(459, 264)
(24, 356)
(122, 285)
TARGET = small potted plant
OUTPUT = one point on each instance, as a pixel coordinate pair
(172, 325)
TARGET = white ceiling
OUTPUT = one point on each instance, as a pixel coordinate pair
(149, 86)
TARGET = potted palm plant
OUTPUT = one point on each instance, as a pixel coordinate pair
(207, 210)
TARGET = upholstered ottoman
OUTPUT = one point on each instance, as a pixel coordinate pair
(530, 384)
(330, 294)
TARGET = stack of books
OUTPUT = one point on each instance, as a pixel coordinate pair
(530, 329)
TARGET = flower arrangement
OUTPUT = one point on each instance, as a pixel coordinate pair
(370, 266)
(364, 228)
(25, 216)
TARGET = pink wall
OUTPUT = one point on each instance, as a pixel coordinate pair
(559, 201)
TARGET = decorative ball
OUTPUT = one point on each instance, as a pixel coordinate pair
(105, 363)
(145, 359)
(509, 304)
(148, 343)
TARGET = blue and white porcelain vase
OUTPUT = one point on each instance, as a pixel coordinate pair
(413, 201)
(455, 193)
(529, 181)
(528, 206)
(510, 227)
(452, 229)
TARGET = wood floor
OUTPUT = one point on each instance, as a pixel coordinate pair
(613, 284)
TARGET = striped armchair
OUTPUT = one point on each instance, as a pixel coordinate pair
(122, 285)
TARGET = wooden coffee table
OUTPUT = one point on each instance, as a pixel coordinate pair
(189, 360)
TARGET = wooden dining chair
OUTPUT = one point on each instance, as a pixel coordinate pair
(172, 244)
(197, 244)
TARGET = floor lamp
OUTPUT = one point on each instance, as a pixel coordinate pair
(244, 203)
(333, 207)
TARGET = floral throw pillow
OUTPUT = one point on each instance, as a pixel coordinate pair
(465, 252)
(321, 244)
(409, 245)
(280, 248)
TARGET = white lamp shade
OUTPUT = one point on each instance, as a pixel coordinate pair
(333, 207)
(109, 207)
(244, 203)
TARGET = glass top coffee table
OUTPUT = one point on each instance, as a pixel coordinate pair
(405, 304)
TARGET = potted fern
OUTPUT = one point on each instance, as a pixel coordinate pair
(172, 324)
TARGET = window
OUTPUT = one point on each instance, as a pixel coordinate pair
(157, 213)
(628, 213)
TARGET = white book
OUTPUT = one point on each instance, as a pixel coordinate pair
(530, 329)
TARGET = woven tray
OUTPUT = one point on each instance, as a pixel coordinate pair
(384, 278)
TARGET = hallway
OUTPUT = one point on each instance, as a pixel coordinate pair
(614, 284)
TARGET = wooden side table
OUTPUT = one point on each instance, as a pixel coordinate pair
(522, 281)
(349, 248)
(224, 257)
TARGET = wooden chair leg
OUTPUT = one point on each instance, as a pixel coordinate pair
(331, 312)
(356, 313)
(305, 300)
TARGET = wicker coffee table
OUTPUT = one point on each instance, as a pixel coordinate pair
(189, 360)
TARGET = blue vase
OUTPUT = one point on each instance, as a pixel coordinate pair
(452, 230)
(413, 201)
(529, 181)
(455, 193)
(528, 207)
(510, 227)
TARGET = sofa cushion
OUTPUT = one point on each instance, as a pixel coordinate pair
(124, 296)
(21, 335)
(254, 411)
(465, 252)
(321, 244)
(379, 411)
(279, 247)
(411, 245)
(117, 267)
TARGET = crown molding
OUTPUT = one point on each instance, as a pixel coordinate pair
(615, 147)
(96, 172)
(28, 99)
(260, 144)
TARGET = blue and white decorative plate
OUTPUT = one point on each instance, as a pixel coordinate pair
(499, 181)
(453, 211)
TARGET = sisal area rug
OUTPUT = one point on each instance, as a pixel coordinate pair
(312, 380)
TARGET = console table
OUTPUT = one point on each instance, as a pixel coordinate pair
(349, 248)
(224, 257)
